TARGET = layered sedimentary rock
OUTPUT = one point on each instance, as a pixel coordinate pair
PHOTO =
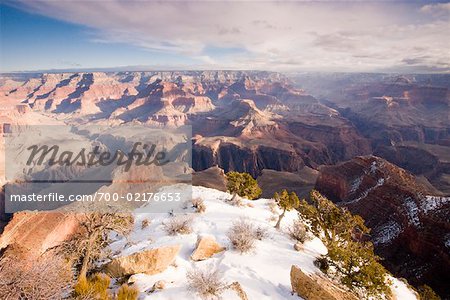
(254, 117)
(390, 113)
(410, 227)
(231, 154)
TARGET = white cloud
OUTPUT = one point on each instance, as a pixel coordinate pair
(437, 9)
(273, 35)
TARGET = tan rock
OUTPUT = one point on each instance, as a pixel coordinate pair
(236, 286)
(315, 287)
(205, 248)
(298, 246)
(159, 285)
(150, 262)
(39, 231)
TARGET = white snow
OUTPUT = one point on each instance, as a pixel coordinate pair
(412, 210)
(430, 203)
(447, 241)
(400, 290)
(387, 233)
(355, 184)
(263, 273)
(364, 194)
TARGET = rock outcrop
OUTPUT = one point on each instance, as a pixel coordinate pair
(213, 177)
(315, 287)
(409, 224)
(231, 155)
(150, 262)
(301, 182)
(38, 231)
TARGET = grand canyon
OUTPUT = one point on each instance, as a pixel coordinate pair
(376, 144)
(239, 150)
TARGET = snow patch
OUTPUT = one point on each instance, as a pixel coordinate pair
(387, 233)
(355, 184)
(447, 241)
(373, 167)
(364, 194)
(412, 211)
(433, 202)
(400, 290)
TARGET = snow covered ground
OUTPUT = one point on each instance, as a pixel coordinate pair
(263, 273)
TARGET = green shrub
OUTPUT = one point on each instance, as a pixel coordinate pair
(353, 259)
(127, 292)
(243, 184)
(358, 267)
(95, 287)
(286, 202)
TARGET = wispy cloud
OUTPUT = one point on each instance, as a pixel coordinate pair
(437, 9)
(271, 35)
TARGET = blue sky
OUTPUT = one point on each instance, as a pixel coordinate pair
(33, 42)
(294, 36)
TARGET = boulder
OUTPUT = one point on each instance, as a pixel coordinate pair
(205, 248)
(39, 231)
(150, 262)
(298, 246)
(315, 287)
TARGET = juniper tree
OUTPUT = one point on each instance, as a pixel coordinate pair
(286, 202)
(86, 245)
(334, 222)
(358, 266)
(351, 256)
(243, 184)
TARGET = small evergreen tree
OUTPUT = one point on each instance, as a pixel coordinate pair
(286, 202)
(358, 267)
(334, 222)
(243, 184)
(87, 244)
(350, 257)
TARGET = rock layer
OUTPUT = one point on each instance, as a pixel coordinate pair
(409, 224)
